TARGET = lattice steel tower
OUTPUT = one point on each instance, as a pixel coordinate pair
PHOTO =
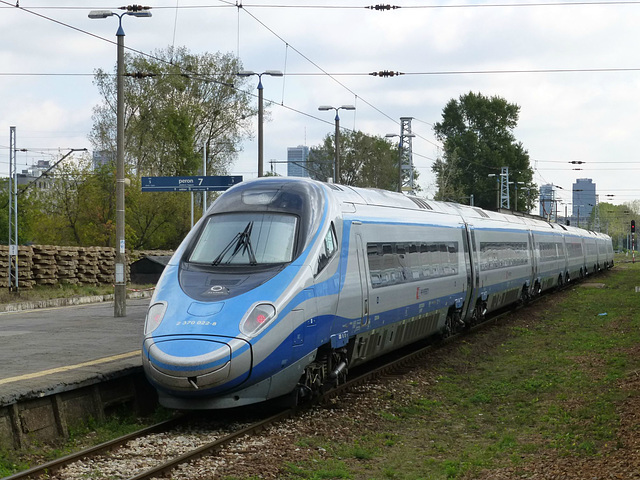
(405, 181)
(504, 188)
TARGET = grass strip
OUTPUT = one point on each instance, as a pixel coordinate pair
(546, 384)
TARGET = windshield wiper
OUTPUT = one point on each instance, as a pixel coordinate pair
(242, 242)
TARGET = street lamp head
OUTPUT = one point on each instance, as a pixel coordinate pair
(407, 135)
(342, 107)
(98, 14)
(93, 14)
(271, 73)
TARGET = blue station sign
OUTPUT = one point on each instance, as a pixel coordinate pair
(189, 184)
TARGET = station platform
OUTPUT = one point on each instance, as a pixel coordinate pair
(46, 351)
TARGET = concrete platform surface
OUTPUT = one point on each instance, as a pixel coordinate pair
(50, 350)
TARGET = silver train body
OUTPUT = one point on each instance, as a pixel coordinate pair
(286, 283)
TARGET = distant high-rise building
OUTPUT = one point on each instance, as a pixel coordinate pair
(584, 199)
(297, 161)
(103, 157)
(547, 200)
(34, 175)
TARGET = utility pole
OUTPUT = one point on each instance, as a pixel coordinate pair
(120, 288)
(13, 212)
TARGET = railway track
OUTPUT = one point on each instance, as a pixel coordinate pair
(155, 451)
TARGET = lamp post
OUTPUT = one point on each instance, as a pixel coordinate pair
(497, 175)
(578, 206)
(528, 202)
(271, 73)
(120, 302)
(515, 185)
(336, 165)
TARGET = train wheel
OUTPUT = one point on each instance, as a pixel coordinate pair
(310, 383)
(535, 291)
(479, 313)
(524, 295)
(328, 370)
(452, 324)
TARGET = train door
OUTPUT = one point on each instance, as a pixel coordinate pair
(473, 276)
(534, 261)
(364, 276)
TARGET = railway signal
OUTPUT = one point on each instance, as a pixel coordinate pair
(633, 241)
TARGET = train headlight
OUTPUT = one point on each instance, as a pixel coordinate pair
(257, 319)
(155, 314)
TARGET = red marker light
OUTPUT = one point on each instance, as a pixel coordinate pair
(257, 318)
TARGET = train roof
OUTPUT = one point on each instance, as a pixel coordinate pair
(379, 197)
(384, 198)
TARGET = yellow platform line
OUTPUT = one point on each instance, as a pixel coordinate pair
(67, 368)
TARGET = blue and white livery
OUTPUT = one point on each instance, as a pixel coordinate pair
(286, 283)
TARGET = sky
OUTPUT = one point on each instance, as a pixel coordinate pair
(571, 67)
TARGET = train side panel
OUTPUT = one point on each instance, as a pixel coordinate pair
(505, 263)
(401, 281)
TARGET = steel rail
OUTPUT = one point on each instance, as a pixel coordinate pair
(389, 368)
(54, 465)
(392, 366)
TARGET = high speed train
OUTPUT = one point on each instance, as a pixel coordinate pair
(287, 283)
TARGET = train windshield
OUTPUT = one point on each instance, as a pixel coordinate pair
(246, 239)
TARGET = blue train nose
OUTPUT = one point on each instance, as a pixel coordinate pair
(191, 363)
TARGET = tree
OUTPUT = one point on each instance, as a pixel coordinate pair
(156, 220)
(615, 220)
(477, 134)
(175, 103)
(28, 208)
(365, 161)
(79, 209)
(181, 101)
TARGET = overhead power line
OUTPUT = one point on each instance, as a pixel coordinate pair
(383, 73)
(377, 7)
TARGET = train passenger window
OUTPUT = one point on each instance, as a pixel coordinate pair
(494, 255)
(330, 248)
(404, 262)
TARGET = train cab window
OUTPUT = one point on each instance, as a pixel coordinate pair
(246, 239)
(330, 247)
